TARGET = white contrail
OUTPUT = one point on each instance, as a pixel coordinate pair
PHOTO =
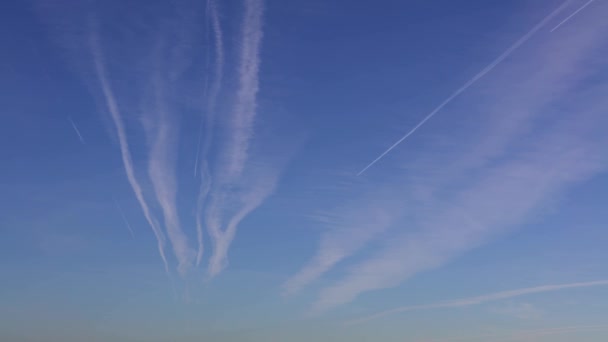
(124, 218)
(236, 151)
(162, 133)
(202, 196)
(572, 15)
(246, 98)
(124, 144)
(76, 130)
(475, 78)
(482, 299)
(209, 116)
(222, 240)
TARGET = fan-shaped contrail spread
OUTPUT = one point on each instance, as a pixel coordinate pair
(572, 15)
(470, 82)
(124, 144)
(76, 130)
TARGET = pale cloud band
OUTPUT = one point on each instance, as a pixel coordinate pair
(470, 301)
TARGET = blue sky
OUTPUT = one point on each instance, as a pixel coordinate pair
(258, 170)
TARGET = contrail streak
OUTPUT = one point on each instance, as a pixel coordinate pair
(161, 170)
(469, 83)
(572, 15)
(236, 151)
(483, 299)
(246, 98)
(124, 145)
(213, 11)
(209, 118)
(203, 192)
(76, 130)
(205, 95)
(124, 218)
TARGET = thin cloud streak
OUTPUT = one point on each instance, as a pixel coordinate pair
(161, 169)
(572, 15)
(472, 81)
(334, 247)
(251, 199)
(124, 218)
(77, 131)
(124, 144)
(204, 189)
(463, 302)
(235, 151)
(244, 110)
(208, 120)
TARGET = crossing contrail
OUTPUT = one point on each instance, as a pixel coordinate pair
(572, 15)
(470, 82)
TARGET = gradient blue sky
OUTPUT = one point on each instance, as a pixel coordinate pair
(216, 170)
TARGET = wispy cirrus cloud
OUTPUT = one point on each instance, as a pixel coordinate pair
(526, 150)
(463, 302)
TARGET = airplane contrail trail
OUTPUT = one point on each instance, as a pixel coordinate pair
(76, 130)
(124, 145)
(236, 150)
(212, 9)
(162, 173)
(483, 299)
(202, 196)
(205, 96)
(572, 15)
(470, 82)
(124, 218)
